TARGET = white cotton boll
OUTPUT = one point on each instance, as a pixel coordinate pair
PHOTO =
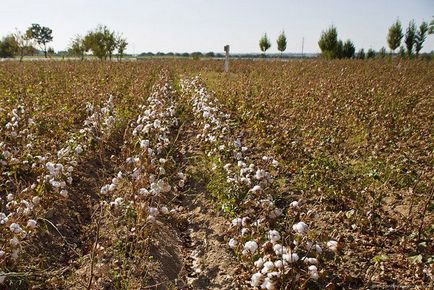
(312, 268)
(259, 263)
(279, 249)
(244, 231)
(164, 210)
(14, 242)
(260, 174)
(181, 183)
(150, 218)
(250, 247)
(313, 271)
(317, 248)
(15, 228)
(64, 193)
(153, 211)
(78, 149)
(226, 167)
(144, 144)
(36, 200)
(290, 258)
(268, 284)
(274, 274)
(300, 227)
(157, 123)
(267, 267)
(275, 163)
(237, 222)
(256, 189)
(105, 189)
(294, 204)
(31, 224)
(256, 279)
(69, 180)
(2, 253)
(312, 261)
(273, 236)
(332, 246)
(275, 213)
(162, 171)
(233, 243)
(279, 264)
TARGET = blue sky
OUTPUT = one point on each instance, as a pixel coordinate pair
(207, 25)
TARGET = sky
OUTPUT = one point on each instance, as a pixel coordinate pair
(208, 25)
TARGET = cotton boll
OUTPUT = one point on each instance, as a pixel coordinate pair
(313, 271)
(153, 211)
(294, 204)
(273, 236)
(256, 189)
(144, 144)
(237, 222)
(259, 263)
(250, 247)
(233, 243)
(279, 249)
(15, 228)
(279, 264)
(244, 231)
(14, 254)
(31, 224)
(332, 246)
(78, 149)
(10, 197)
(256, 280)
(2, 253)
(64, 193)
(150, 219)
(164, 210)
(14, 242)
(300, 227)
(317, 248)
(275, 163)
(267, 267)
(290, 258)
(36, 200)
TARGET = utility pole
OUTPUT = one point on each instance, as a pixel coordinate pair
(226, 48)
(302, 47)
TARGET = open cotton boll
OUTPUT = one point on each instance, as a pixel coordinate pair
(15, 228)
(312, 261)
(259, 263)
(78, 149)
(31, 223)
(244, 231)
(275, 163)
(279, 249)
(64, 193)
(267, 267)
(313, 271)
(279, 264)
(153, 211)
(268, 284)
(256, 279)
(332, 246)
(14, 242)
(164, 210)
(294, 204)
(144, 144)
(237, 222)
(250, 247)
(256, 188)
(290, 258)
(300, 227)
(2, 278)
(273, 236)
(2, 253)
(233, 243)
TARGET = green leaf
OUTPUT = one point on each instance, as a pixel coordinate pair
(415, 259)
(380, 258)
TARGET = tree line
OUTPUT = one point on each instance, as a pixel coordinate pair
(101, 42)
(334, 48)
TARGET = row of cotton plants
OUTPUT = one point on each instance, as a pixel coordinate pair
(273, 257)
(51, 175)
(138, 194)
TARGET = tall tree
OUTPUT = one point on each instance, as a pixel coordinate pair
(78, 47)
(348, 49)
(394, 36)
(328, 43)
(42, 35)
(24, 42)
(420, 37)
(121, 45)
(281, 42)
(410, 37)
(431, 27)
(96, 41)
(264, 43)
(8, 46)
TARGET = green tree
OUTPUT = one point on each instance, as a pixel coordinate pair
(24, 42)
(121, 44)
(42, 35)
(401, 51)
(361, 54)
(8, 46)
(410, 37)
(420, 37)
(348, 49)
(370, 53)
(394, 36)
(78, 47)
(281, 42)
(264, 43)
(328, 43)
(96, 42)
